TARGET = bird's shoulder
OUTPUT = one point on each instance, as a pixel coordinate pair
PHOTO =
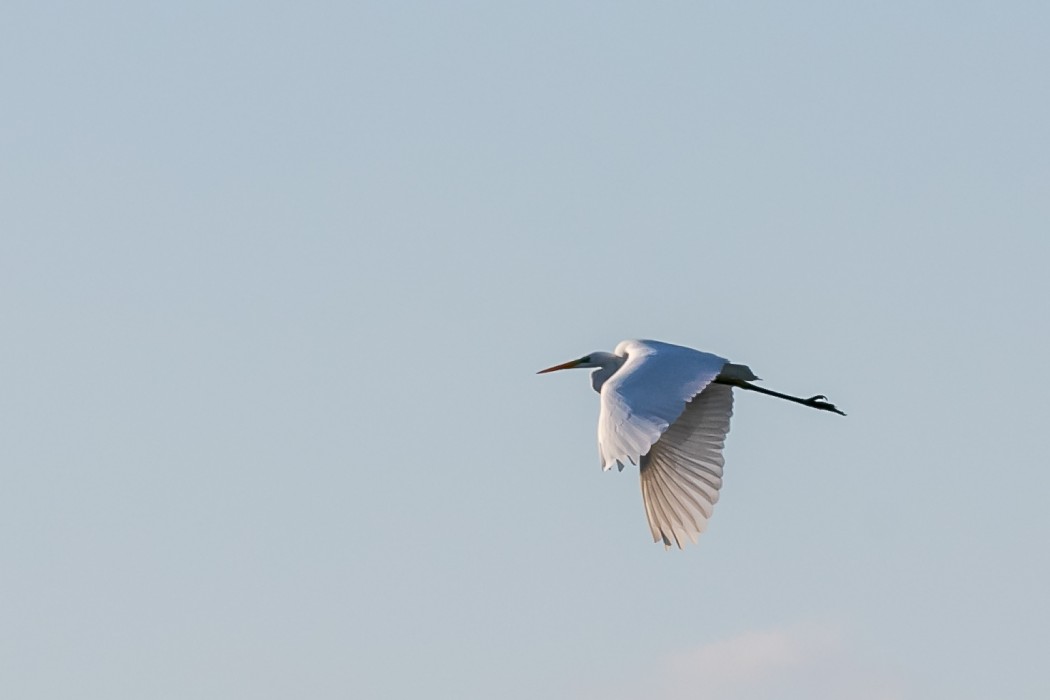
(666, 364)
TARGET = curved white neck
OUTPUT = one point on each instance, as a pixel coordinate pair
(607, 364)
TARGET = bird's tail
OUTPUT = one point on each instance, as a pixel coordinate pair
(736, 373)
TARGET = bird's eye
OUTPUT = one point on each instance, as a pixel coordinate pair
(585, 359)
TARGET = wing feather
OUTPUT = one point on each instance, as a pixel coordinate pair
(646, 396)
(661, 508)
(678, 515)
(650, 516)
(682, 473)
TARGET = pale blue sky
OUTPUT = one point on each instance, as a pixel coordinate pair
(275, 280)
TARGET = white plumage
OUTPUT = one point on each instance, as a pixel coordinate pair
(666, 408)
(646, 394)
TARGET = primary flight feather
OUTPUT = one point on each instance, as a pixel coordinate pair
(666, 409)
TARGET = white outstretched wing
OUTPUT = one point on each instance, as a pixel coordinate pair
(648, 394)
(682, 473)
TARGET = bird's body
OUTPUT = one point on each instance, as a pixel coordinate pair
(666, 408)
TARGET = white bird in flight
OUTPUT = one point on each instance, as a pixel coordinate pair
(666, 408)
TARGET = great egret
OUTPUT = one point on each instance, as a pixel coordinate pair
(666, 408)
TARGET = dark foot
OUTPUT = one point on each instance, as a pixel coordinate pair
(820, 401)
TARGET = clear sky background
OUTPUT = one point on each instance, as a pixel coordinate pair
(275, 280)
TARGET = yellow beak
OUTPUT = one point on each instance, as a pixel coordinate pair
(565, 365)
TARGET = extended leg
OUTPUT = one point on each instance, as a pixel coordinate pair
(818, 401)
